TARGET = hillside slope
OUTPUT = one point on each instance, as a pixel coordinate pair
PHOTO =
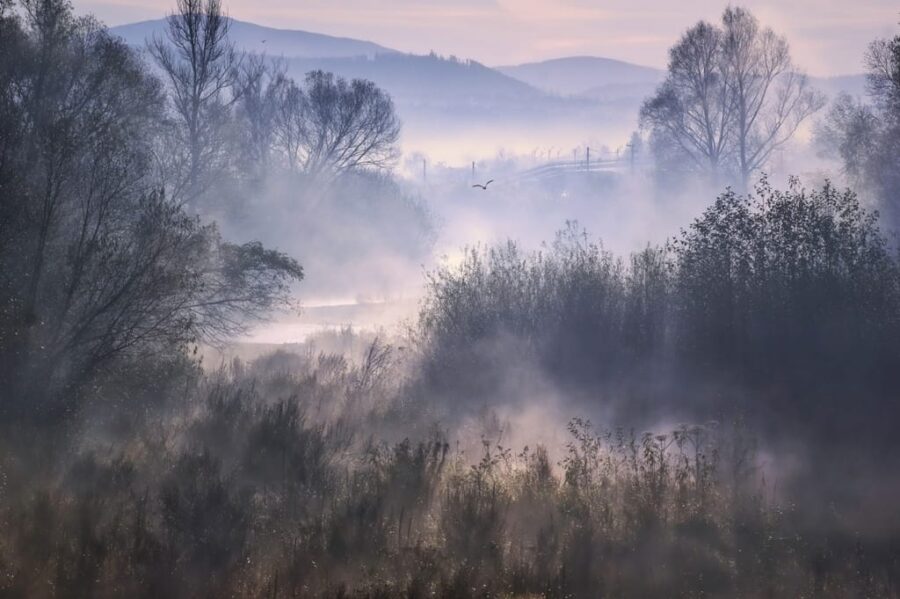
(274, 42)
(577, 75)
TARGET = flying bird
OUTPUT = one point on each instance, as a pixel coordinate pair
(483, 187)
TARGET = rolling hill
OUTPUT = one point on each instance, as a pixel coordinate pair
(579, 75)
(274, 42)
(450, 106)
(416, 79)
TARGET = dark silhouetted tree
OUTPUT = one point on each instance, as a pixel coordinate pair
(96, 261)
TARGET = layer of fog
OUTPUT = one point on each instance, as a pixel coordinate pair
(369, 272)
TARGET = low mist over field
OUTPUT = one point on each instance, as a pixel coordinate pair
(337, 301)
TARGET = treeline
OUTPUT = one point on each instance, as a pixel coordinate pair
(782, 304)
(233, 116)
(306, 164)
(99, 260)
(733, 100)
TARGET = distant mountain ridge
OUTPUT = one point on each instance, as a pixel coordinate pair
(416, 79)
(587, 78)
(563, 101)
(274, 42)
(577, 75)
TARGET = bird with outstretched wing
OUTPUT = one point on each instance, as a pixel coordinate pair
(483, 187)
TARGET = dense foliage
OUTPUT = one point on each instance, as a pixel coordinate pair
(789, 297)
(97, 262)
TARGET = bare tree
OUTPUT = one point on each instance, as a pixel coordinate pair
(732, 96)
(332, 126)
(771, 97)
(259, 82)
(883, 78)
(850, 132)
(694, 107)
(290, 125)
(201, 69)
(866, 137)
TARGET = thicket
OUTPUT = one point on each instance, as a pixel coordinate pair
(269, 479)
(777, 304)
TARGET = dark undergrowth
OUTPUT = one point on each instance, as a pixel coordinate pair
(269, 480)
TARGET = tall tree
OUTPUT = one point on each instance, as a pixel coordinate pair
(883, 78)
(850, 132)
(201, 69)
(95, 261)
(883, 60)
(259, 82)
(693, 109)
(290, 123)
(771, 97)
(732, 96)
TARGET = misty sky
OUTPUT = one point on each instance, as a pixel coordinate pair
(828, 37)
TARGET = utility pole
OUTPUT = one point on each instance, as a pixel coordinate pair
(473, 170)
(424, 172)
(588, 162)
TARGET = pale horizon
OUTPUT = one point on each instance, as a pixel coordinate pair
(827, 38)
